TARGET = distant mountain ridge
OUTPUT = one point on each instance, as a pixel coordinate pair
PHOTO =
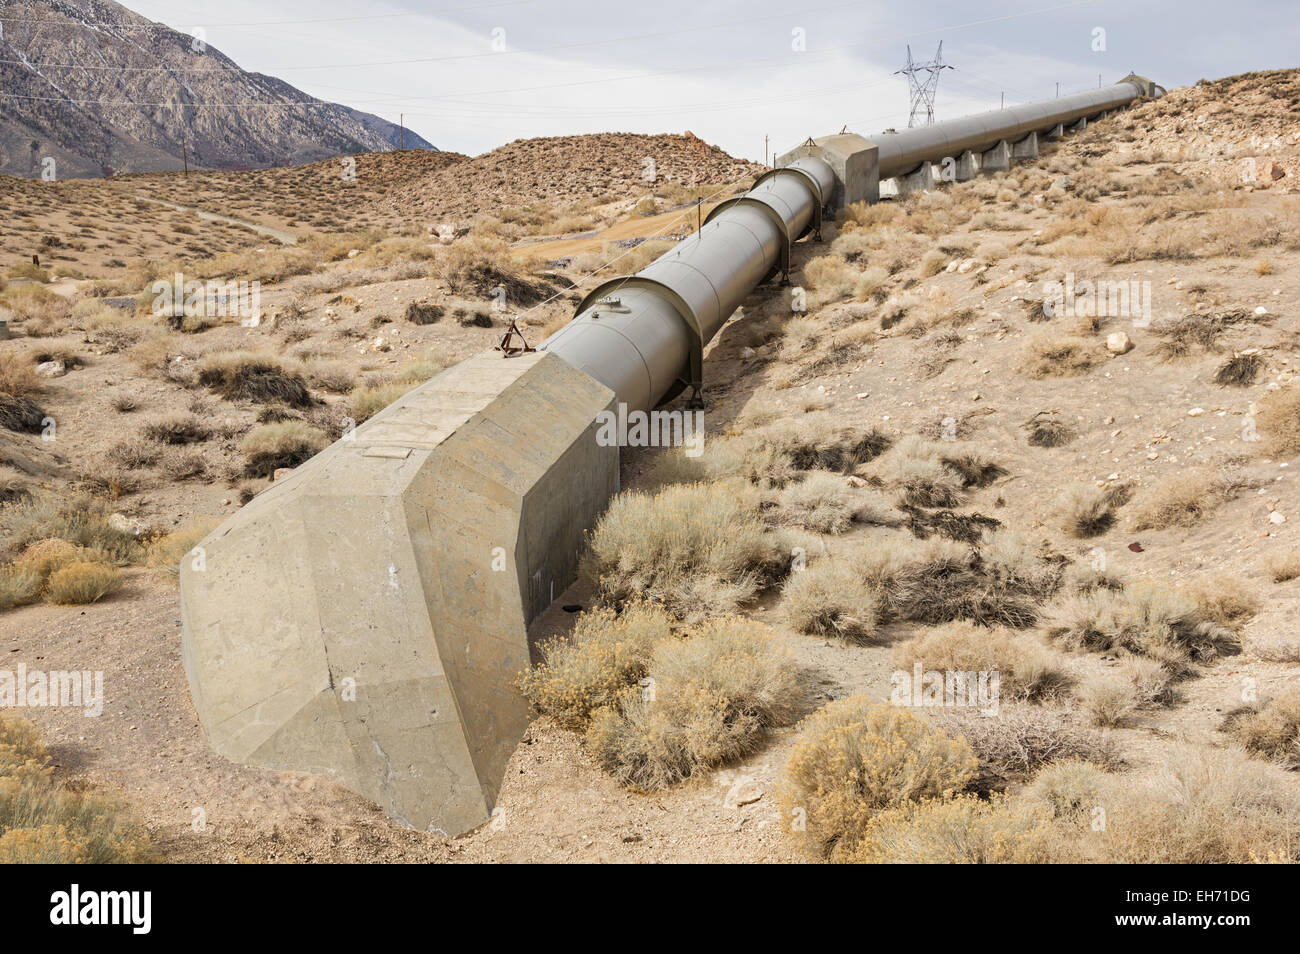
(141, 93)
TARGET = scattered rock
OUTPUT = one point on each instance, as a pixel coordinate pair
(51, 369)
(746, 791)
(1119, 343)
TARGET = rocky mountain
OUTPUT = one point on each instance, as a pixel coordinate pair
(100, 89)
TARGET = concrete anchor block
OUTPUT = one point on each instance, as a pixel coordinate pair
(924, 178)
(1027, 148)
(1058, 132)
(997, 159)
(365, 617)
(968, 166)
(1081, 125)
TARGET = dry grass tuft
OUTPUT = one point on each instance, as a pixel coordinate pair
(1088, 510)
(283, 444)
(1283, 567)
(1145, 618)
(1272, 730)
(1054, 357)
(1182, 500)
(1107, 701)
(246, 376)
(830, 598)
(1239, 371)
(177, 427)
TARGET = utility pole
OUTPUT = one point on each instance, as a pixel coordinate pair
(1058, 90)
(923, 90)
(765, 139)
(401, 122)
(1002, 103)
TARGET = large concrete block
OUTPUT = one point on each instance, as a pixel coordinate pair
(365, 617)
(1026, 148)
(854, 160)
(997, 159)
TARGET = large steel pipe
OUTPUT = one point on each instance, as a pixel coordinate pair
(902, 152)
(643, 335)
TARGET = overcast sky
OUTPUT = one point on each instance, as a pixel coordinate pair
(471, 76)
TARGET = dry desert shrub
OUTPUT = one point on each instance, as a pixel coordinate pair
(695, 549)
(825, 503)
(43, 821)
(166, 552)
(18, 377)
(1279, 422)
(333, 376)
(831, 279)
(1225, 599)
(856, 758)
(938, 581)
(177, 427)
(79, 519)
(1053, 357)
(247, 376)
(1015, 742)
(1106, 700)
(963, 830)
(1205, 806)
(708, 699)
(916, 468)
(58, 571)
(831, 598)
(479, 264)
(1271, 730)
(1146, 619)
(1046, 430)
(587, 669)
(1027, 669)
(82, 582)
(1152, 682)
(424, 312)
(282, 444)
(1182, 500)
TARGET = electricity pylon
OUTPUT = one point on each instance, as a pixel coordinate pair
(923, 80)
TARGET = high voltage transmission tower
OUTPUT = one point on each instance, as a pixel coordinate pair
(923, 89)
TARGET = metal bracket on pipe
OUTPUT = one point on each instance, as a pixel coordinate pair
(679, 304)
